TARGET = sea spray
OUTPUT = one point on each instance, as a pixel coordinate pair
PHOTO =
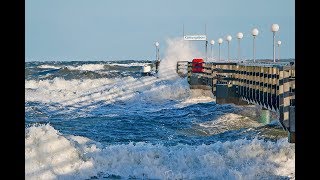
(178, 50)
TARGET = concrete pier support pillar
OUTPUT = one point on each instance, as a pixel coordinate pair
(292, 125)
(291, 137)
(264, 116)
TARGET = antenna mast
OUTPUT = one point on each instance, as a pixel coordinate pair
(205, 32)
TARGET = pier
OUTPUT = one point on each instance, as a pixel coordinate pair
(271, 85)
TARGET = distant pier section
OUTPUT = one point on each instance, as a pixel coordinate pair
(267, 84)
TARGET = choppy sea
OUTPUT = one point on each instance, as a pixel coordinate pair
(105, 120)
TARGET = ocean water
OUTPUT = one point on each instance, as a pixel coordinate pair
(104, 120)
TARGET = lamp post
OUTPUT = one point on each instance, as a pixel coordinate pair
(212, 43)
(254, 33)
(274, 29)
(228, 39)
(157, 50)
(239, 36)
(157, 55)
(220, 40)
(279, 43)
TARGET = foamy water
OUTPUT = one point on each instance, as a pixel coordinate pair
(75, 92)
(196, 96)
(48, 67)
(52, 155)
(129, 64)
(87, 67)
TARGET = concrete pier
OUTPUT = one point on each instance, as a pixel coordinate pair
(269, 85)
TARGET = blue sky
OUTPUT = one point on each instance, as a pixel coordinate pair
(127, 29)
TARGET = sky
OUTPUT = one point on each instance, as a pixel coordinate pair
(107, 30)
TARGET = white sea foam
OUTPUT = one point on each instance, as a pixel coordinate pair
(45, 66)
(170, 90)
(70, 96)
(80, 92)
(127, 65)
(226, 122)
(65, 91)
(52, 155)
(49, 155)
(81, 96)
(196, 96)
(87, 67)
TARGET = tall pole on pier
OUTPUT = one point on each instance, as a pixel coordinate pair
(157, 50)
(254, 33)
(157, 56)
(239, 36)
(206, 49)
(220, 40)
(228, 39)
(279, 43)
(274, 29)
(212, 43)
(205, 32)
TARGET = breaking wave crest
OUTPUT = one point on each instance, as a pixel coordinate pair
(52, 155)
